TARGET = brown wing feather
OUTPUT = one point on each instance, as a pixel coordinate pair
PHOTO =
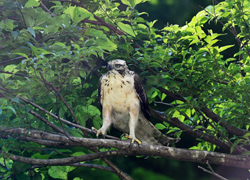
(142, 96)
(100, 93)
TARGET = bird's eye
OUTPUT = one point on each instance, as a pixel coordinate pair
(117, 65)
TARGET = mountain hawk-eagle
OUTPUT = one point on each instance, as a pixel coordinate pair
(124, 104)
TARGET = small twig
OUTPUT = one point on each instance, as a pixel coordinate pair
(46, 9)
(13, 59)
(212, 171)
(61, 121)
(40, 117)
(158, 102)
(16, 74)
(22, 17)
(106, 168)
(63, 100)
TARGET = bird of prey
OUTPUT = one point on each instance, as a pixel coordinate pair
(125, 105)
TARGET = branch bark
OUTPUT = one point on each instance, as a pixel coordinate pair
(196, 133)
(124, 150)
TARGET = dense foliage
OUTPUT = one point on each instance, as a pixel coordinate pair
(53, 51)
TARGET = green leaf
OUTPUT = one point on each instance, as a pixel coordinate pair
(188, 99)
(16, 99)
(58, 172)
(132, 3)
(177, 102)
(181, 118)
(234, 144)
(40, 156)
(95, 33)
(97, 124)
(160, 126)
(22, 54)
(176, 114)
(10, 68)
(78, 153)
(194, 147)
(225, 47)
(198, 127)
(77, 178)
(246, 153)
(127, 28)
(1, 110)
(31, 31)
(106, 45)
(188, 112)
(15, 34)
(247, 127)
(151, 24)
(11, 108)
(163, 97)
(70, 11)
(92, 110)
(200, 32)
(77, 14)
(246, 136)
(32, 3)
(238, 53)
(128, 2)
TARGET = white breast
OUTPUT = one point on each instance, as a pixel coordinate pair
(119, 93)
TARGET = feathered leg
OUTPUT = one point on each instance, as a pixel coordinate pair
(106, 116)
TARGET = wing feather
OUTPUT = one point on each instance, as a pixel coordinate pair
(142, 96)
(100, 92)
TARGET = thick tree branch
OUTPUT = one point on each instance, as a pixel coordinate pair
(143, 149)
(230, 129)
(196, 133)
(209, 113)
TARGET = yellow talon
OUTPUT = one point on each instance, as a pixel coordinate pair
(133, 139)
(99, 132)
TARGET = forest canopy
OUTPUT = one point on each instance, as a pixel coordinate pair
(53, 53)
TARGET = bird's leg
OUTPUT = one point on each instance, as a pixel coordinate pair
(134, 113)
(106, 116)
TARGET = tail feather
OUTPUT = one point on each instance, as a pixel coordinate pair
(149, 134)
(165, 140)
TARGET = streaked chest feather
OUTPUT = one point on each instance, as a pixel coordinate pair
(118, 91)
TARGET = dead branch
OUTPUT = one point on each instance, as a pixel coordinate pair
(211, 171)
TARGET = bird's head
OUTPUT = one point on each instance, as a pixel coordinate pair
(118, 65)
